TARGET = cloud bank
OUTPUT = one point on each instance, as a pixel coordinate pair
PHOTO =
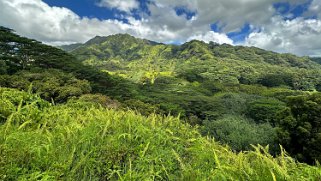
(174, 21)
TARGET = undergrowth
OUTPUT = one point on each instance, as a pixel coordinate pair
(79, 141)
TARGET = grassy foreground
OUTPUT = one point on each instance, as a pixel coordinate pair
(81, 141)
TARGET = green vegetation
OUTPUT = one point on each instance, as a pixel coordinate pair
(219, 87)
(50, 84)
(299, 127)
(240, 133)
(316, 59)
(19, 53)
(124, 108)
(76, 141)
(144, 62)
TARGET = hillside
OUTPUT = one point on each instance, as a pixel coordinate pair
(215, 85)
(239, 96)
(142, 60)
(316, 59)
(80, 141)
(70, 47)
(30, 56)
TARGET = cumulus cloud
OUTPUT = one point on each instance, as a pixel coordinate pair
(121, 5)
(35, 19)
(315, 8)
(55, 25)
(162, 23)
(212, 36)
(299, 36)
(229, 14)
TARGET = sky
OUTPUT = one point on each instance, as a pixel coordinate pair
(285, 26)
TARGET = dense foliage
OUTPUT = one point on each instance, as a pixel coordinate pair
(143, 61)
(50, 84)
(236, 95)
(299, 127)
(76, 141)
(240, 133)
(19, 53)
(233, 92)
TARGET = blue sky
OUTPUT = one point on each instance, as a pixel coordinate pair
(86, 8)
(278, 25)
(89, 8)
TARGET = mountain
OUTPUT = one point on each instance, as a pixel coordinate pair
(216, 85)
(241, 96)
(135, 48)
(316, 59)
(134, 58)
(23, 54)
(70, 47)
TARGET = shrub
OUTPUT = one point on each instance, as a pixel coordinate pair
(239, 132)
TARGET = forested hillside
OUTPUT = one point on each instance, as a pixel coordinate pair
(162, 106)
(144, 61)
(233, 92)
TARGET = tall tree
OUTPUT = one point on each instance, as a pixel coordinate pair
(300, 127)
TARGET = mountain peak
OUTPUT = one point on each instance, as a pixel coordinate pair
(120, 38)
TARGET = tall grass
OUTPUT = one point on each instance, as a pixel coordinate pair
(77, 141)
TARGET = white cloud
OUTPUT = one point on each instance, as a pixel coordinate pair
(126, 6)
(231, 15)
(299, 36)
(55, 25)
(212, 36)
(35, 19)
(315, 8)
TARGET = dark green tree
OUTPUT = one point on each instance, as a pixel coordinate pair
(265, 110)
(300, 127)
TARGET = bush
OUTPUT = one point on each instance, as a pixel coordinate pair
(240, 133)
(232, 103)
(99, 100)
(141, 107)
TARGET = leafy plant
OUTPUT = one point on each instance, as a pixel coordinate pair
(240, 133)
(76, 141)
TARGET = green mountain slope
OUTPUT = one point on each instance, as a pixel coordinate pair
(76, 141)
(23, 54)
(71, 47)
(141, 60)
(238, 95)
(216, 85)
(316, 59)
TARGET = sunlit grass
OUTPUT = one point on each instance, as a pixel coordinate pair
(76, 141)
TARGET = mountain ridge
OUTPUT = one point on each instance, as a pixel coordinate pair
(128, 40)
(137, 58)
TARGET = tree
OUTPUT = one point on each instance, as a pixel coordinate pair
(3, 67)
(21, 53)
(265, 110)
(300, 127)
(49, 84)
(274, 80)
